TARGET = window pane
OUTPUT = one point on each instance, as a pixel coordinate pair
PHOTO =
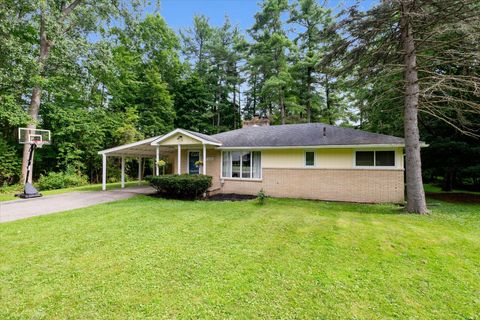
(227, 165)
(236, 164)
(246, 165)
(256, 164)
(364, 158)
(385, 158)
(309, 158)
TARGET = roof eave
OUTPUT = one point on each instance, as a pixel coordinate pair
(128, 145)
(386, 145)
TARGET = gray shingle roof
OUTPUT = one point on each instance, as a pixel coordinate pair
(307, 134)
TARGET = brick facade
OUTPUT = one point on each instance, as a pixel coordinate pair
(352, 185)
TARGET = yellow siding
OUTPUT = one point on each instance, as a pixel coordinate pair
(341, 158)
(173, 140)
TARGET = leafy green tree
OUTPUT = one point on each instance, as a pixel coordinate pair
(193, 105)
(144, 72)
(57, 25)
(9, 163)
(157, 113)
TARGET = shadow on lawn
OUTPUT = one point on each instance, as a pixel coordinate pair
(455, 197)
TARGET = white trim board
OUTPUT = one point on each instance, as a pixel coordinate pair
(332, 146)
(188, 134)
(128, 145)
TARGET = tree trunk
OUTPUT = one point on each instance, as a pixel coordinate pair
(282, 107)
(254, 94)
(234, 107)
(448, 179)
(415, 192)
(35, 99)
(309, 94)
(328, 102)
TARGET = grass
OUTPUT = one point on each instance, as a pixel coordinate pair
(150, 258)
(9, 193)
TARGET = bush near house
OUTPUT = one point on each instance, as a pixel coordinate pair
(182, 186)
(60, 180)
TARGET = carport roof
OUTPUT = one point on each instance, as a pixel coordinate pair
(139, 148)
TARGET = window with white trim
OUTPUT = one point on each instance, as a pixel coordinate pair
(375, 158)
(241, 164)
(309, 158)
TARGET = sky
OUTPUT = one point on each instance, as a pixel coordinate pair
(179, 13)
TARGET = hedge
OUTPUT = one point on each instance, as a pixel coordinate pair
(182, 186)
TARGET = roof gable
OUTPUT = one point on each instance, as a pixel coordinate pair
(182, 136)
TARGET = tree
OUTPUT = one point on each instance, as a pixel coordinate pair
(144, 71)
(195, 41)
(58, 22)
(394, 38)
(312, 20)
(192, 105)
(215, 54)
(268, 57)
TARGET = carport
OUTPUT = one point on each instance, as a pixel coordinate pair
(165, 145)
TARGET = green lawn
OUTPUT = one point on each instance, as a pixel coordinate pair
(152, 258)
(10, 192)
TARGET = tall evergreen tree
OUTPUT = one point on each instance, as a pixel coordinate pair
(269, 58)
(392, 41)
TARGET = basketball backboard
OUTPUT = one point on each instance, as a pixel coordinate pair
(34, 136)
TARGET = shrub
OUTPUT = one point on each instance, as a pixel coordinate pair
(59, 180)
(261, 197)
(10, 164)
(183, 186)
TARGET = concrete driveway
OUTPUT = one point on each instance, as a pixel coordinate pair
(25, 208)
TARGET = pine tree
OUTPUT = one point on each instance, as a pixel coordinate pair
(268, 58)
(393, 40)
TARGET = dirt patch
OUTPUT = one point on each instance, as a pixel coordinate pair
(230, 197)
(456, 197)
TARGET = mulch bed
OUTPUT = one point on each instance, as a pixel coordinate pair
(456, 197)
(230, 197)
(216, 197)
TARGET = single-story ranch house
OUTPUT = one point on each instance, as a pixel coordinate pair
(311, 161)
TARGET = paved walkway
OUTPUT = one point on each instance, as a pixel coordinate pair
(25, 208)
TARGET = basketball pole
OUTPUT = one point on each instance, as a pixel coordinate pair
(29, 190)
(33, 146)
(36, 138)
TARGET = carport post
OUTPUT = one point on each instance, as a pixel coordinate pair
(139, 169)
(204, 159)
(104, 172)
(179, 159)
(157, 158)
(123, 172)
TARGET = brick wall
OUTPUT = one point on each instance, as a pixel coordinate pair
(352, 185)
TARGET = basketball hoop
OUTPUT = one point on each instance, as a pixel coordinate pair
(36, 138)
(38, 144)
(39, 137)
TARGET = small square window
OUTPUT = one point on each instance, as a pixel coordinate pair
(364, 158)
(385, 158)
(309, 158)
